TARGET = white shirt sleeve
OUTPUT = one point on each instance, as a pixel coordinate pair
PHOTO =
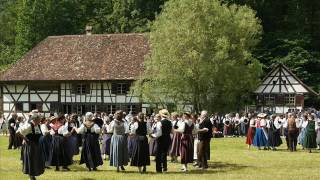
(63, 130)
(110, 127)
(44, 129)
(158, 132)
(25, 129)
(81, 129)
(96, 129)
(126, 127)
(134, 127)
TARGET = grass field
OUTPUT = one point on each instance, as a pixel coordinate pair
(230, 159)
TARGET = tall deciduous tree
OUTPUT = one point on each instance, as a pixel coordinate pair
(201, 55)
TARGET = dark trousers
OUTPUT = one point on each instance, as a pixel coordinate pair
(203, 147)
(12, 139)
(161, 155)
(292, 140)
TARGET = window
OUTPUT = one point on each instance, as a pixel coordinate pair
(95, 108)
(119, 88)
(19, 106)
(132, 108)
(37, 106)
(111, 109)
(81, 88)
(289, 99)
(269, 99)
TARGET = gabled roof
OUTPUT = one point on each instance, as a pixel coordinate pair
(82, 57)
(282, 81)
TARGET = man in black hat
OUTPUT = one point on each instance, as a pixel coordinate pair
(162, 134)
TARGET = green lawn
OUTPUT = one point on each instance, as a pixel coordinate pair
(230, 159)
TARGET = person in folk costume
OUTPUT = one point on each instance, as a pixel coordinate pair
(58, 155)
(302, 125)
(119, 144)
(204, 137)
(71, 136)
(18, 139)
(162, 135)
(140, 153)
(274, 139)
(293, 131)
(260, 138)
(237, 128)
(106, 137)
(12, 132)
(90, 153)
(195, 121)
(153, 141)
(131, 137)
(318, 132)
(46, 140)
(310, 135)
(186, 129)
(227, 125)
(33, 163)
(251, 131)
(174, 152)
(285, 128)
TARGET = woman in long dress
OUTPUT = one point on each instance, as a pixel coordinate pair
(176, 139)
(303, 124)
(318, 132)
(186, 148)
(274, 139)
(140, 152)
(118, 147)
(251, 131)
(260, 138)
(90, 154)
(106, 137)
(310, 136)
(33, 163)
(153, 142)
(45, 141)
(58, 155)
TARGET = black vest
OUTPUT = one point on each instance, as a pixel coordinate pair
(33, 136)
(142, 129)
(166, 127)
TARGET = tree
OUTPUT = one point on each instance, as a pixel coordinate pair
(201, 55)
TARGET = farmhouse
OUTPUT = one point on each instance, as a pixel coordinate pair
(281, 91)
(76, 73)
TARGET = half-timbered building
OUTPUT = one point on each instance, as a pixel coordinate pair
(281, 91)
(76, 73)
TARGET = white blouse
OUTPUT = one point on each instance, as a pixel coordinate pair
(26, 129)
(83, 129)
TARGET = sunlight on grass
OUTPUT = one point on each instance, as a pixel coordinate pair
(230, 159)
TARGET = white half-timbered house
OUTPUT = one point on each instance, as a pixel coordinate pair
(76, 73)
(281, 91)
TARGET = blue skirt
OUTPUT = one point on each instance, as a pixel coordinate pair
(301, 136)
(260, 138)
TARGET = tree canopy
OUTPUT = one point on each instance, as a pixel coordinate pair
(201, 54)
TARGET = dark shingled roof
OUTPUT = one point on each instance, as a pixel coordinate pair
(82, 57)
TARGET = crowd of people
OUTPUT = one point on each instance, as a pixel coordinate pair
(125, 139)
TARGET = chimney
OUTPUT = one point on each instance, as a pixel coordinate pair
(88, 30)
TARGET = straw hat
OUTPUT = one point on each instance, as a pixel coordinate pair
(164, 113)
(262, 115)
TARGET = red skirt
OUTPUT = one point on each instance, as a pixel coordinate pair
(186, 149)
(250, 135)
(175, 146)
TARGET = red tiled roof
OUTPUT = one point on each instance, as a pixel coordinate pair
(82, 57)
